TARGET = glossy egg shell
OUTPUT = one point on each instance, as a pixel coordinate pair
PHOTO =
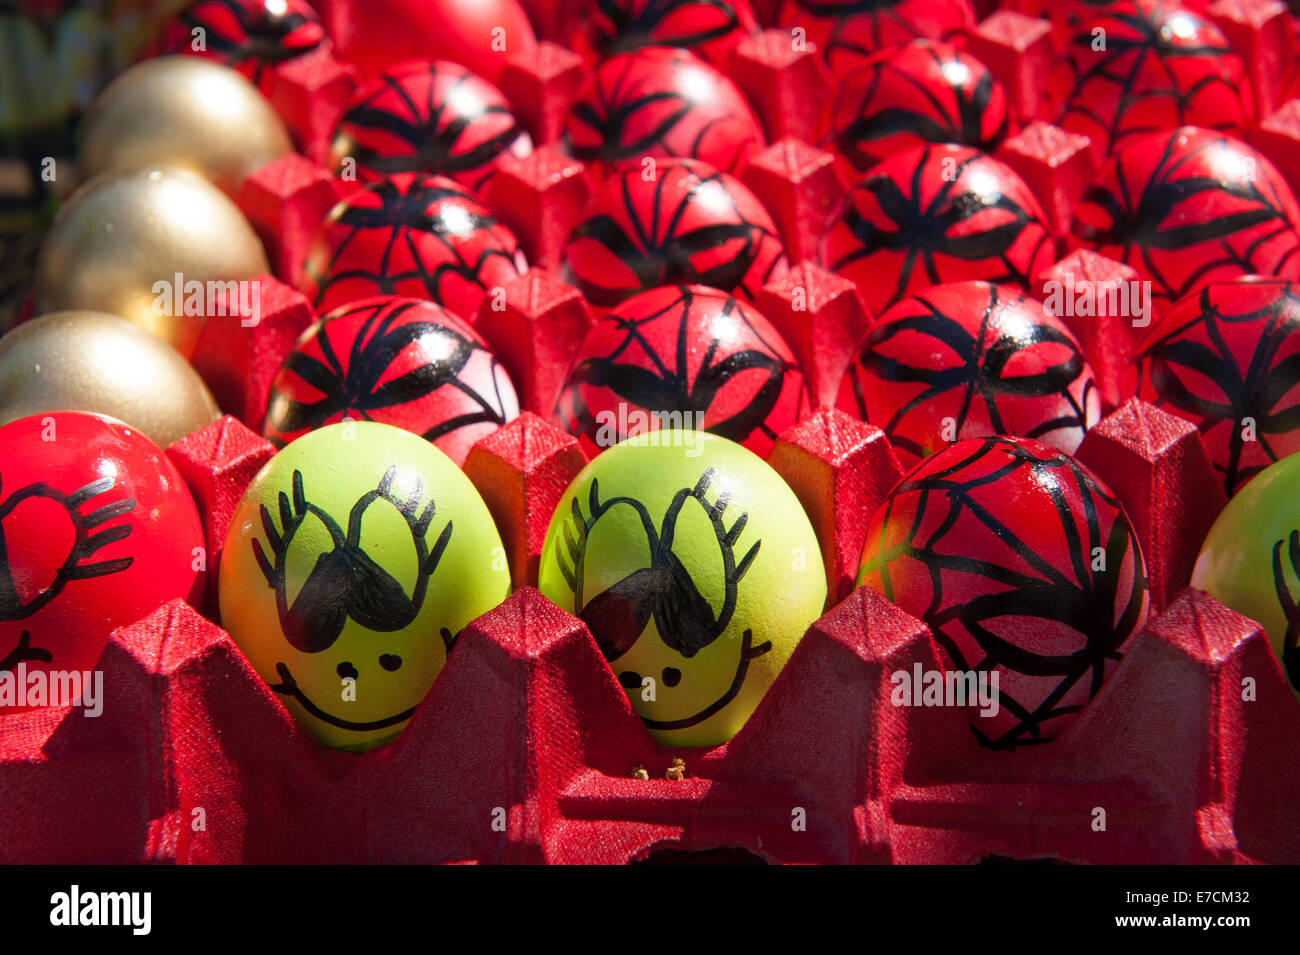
(385, 552)
(97, 529)
(694, 566)
(399, 361)
(1023, 563)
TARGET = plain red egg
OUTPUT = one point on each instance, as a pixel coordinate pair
(480, 34)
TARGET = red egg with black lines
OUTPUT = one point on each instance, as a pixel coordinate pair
(1141, 66)
(703, 359)
(710, 28)
(689, 225)
(926, 91)
(1190, 206)
(410, 235)
(1227, 358)
(937, 214)
(845, 33)
(429, 116)
(970, 360)
(1025, 567)
(97, 529)
(400, 361)
(660, 103)
(251, 36)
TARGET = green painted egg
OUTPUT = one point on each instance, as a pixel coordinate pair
(1250, 560)
(695, 568)
(356, 556)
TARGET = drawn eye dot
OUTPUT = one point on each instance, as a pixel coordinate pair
(672, 676)
(390, 661)
(630, 679)
(347, 670)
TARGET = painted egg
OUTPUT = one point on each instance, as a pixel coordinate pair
(937, 214)
(687, 356)
(399, 361)
(252, 36)
(1250, 560)
(97, 529)
(429, 116)
(1188, 207)
(1145, 65)
(1226, 359)
(848, 32)
(696, 570)
(691, 225)
(922, 92)
(356, 557)
(1025, 568)
(971, 360)
(660, 103)
(711, 28)
(417, 236)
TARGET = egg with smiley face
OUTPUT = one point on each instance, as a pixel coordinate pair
(696, 570)
(356, 556)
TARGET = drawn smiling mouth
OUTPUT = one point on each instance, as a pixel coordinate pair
(748, 653)
(288, 686)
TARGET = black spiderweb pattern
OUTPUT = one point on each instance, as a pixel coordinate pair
(1144, 217)
(608, 123)
(982, 375)
(355, 385)
(1200, 350)
(1136, 41)
(1076, 597)
(408, 209)
(921, 231)
(440, 136)
(269, 38)
(963, 120)
(666, 387)
(660, 252)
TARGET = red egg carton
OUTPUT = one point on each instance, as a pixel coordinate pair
(525, 748)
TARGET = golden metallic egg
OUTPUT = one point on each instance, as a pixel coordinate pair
(134, 243)
(181, 111)
(90, 361)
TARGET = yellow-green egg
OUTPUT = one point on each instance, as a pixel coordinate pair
(695, 568)
(1250, 560)
(355, 558)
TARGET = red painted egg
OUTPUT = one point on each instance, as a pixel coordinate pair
(429, 116)
(847, 32)
(689, 225)
(703, 358)
(711, 28)
(480, 34)
(971, 360)
(922, 92)
(659, 103)
(417, 236)
(252, 36)
(1026, 569)
(1146, 65)
(1188, 207)
(1227, 358)
(400, 361)
(937, 214)
(97, 529)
